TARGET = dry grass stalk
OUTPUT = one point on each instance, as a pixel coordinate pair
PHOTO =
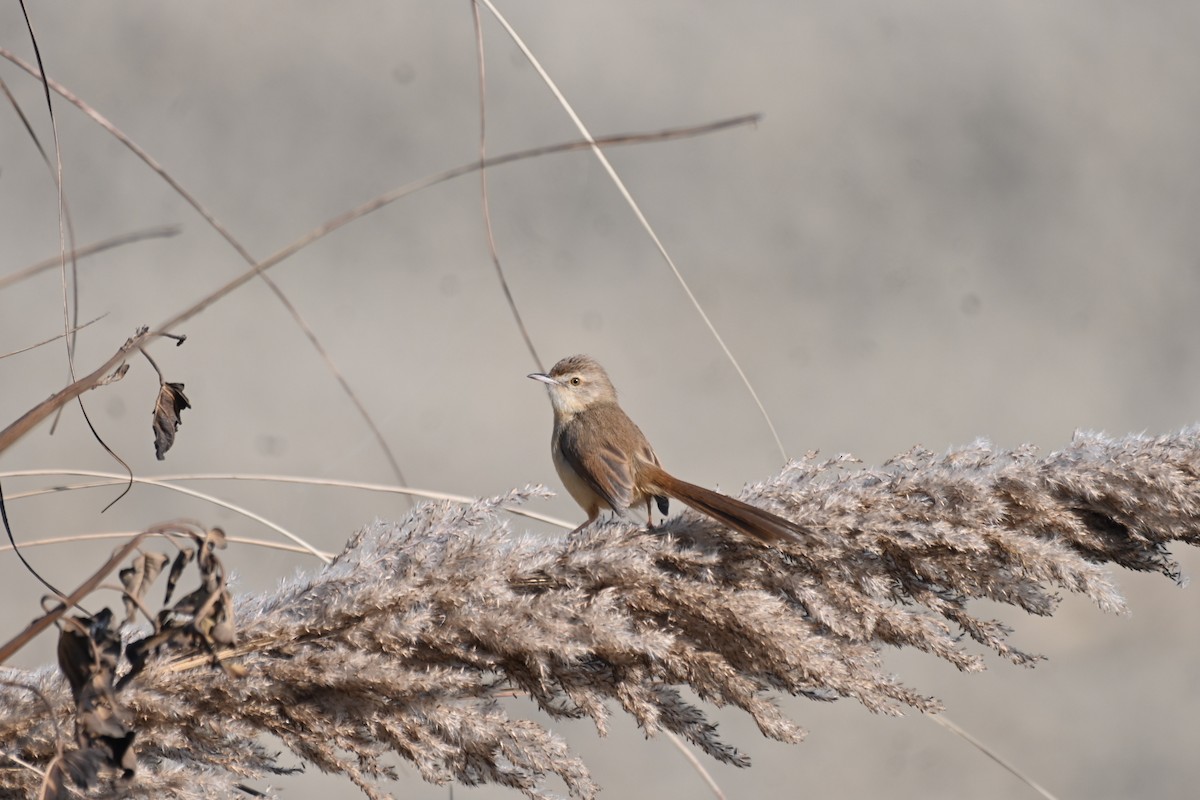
(407, 643)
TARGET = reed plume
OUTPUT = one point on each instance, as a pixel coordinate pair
(413, 640)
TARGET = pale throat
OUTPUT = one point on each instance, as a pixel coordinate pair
(567, 405)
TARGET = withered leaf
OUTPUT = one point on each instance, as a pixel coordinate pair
(110, 739)
(201, 619)
(88, 649)
(131, 579)
(213, 540)
(170, 404)
(223, 633)
(74, 658)
(182, 560)
(101, 722)
(216, 538)
(84, 766)
(138, 652)
(154, 565)
(191, 602)
(137, 579)
(117, 740)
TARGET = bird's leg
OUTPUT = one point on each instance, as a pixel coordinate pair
(592, 514)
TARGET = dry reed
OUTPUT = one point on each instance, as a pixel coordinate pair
(410, 643)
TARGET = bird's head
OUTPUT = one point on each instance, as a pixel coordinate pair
(575, 383)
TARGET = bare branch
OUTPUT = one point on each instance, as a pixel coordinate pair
(98, 377)
(161, 232)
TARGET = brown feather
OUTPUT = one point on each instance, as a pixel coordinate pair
(750, 520)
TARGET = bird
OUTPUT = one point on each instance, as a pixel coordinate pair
(605, 461)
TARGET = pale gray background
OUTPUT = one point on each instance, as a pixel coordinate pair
(956, 220)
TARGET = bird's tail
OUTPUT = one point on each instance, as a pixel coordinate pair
(756, 523)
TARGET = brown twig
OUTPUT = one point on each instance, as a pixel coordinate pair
(483, 187)
(11, 434)
(40, 624)
(233, 242)
(161, 232)
(54, 338)
(344, 219)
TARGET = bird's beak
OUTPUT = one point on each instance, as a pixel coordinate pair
(543, 377)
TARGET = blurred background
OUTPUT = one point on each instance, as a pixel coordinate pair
(955, 220)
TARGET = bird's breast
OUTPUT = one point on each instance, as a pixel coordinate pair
(576, 486)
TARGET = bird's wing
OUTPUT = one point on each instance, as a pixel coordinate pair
(588, 448)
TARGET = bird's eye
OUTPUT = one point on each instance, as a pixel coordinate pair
(575, 381)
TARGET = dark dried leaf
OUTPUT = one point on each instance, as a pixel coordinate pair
(191, 602)
(125, 755)
(131, 580)
(137, 580)
(74, 658)
(214, 619)
(181, 561)
(84, 765)
(87, 647)
(120, 752)
(154, 567)
(89, 650)
(213, 540)
(100, 722)
(170, 404)
(223, 633)
(216, 538)
(139, 651)
(201, 619)
(106, 641)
